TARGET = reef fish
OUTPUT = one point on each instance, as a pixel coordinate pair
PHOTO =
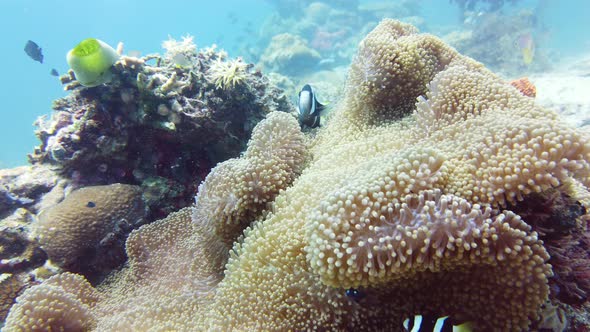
(527, 47)
(425, 323)
(54, 72)
(34, 51)
(309, 108)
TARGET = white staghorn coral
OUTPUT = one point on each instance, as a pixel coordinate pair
(173, 47)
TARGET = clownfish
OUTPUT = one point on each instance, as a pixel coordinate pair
(426, 323)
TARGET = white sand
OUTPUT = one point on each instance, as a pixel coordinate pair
(567, 90)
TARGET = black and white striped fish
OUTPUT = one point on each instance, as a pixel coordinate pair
(421, 323)
(310, 109)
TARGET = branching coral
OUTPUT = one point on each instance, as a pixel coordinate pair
(227, 74)
(184, 47)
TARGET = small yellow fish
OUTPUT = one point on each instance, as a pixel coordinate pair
(527, 47)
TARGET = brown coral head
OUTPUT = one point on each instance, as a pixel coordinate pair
(87, 229)
(526, 87)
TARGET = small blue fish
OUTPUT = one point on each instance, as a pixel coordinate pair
(309, 108)
(427, 323)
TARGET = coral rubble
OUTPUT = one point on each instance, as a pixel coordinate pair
(410, 196)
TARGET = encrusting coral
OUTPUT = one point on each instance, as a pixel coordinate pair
(10, 286)
(403, 207)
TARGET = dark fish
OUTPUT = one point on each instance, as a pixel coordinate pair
(34, 51)
(54, 72)
(355, 294)
(309, 108)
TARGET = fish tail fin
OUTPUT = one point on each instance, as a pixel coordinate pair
(320, 107)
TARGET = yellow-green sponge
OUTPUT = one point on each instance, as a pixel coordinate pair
(91, 61)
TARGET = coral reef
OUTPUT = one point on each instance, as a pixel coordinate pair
(161, 123)
(200, 236)
(10, 287)
(509, 44)
(332, 29)
(18, 253)
(289, 54)
(26, 187)
(492, 5)
(86, 232)
(410, 196)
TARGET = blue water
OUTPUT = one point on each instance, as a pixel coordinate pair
(27, 89)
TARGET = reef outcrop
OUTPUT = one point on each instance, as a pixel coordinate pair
(162, 122)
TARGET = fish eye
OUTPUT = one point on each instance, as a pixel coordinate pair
(90, 204)
(354, 294)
